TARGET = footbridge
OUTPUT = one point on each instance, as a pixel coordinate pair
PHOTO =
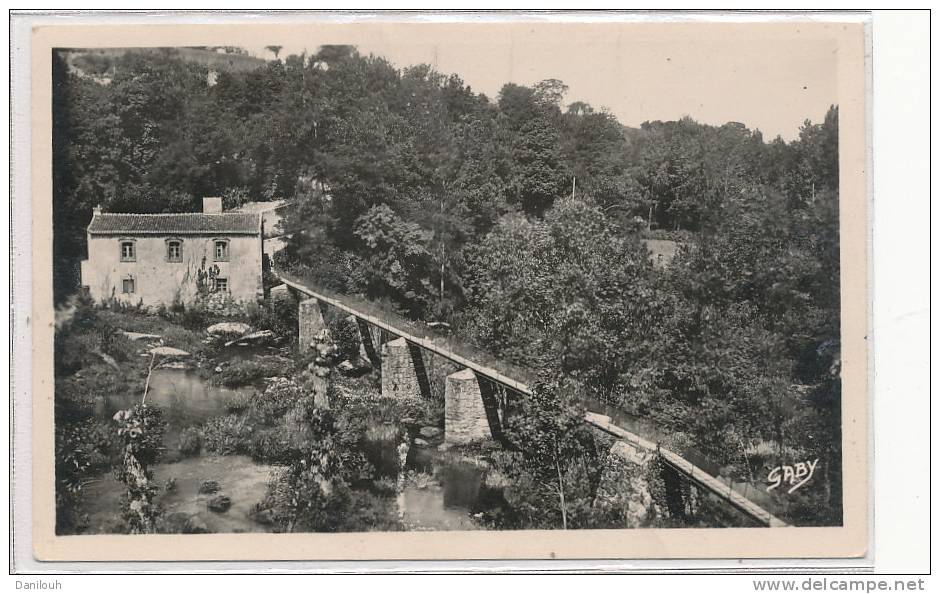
(473, 410)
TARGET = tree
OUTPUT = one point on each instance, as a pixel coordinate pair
(556, 470)
(397, 259)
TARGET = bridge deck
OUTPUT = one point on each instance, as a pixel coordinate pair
(693, 472)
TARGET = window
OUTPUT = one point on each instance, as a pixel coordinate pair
(128, 286)
(221, 250)
(174, 250)
(221, 285)
(128, 251)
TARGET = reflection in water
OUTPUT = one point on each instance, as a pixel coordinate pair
(243, 480)
(186, 399)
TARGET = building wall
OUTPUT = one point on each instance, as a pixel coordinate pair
(159, 281)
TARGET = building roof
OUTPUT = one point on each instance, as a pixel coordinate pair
(227, 223)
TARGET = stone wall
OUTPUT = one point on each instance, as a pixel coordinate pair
(402, 371)
(309, 323)
(625, 486)
(465, 419)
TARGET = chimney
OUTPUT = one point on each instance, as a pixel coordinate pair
(96, 210)
(212, 205)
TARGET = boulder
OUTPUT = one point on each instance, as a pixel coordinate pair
(166, 351)
(229, 329)
(421, 443)
(210, 487)
(219, 504)
(429, 432)
(140, 335)
(260, 337)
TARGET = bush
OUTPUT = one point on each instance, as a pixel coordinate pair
(277, 315)
(194, 317)
(73, 352)
(230, 434)
(240, 373)
(273, 446)
(190, 441)
(116, 344)
(269, 407)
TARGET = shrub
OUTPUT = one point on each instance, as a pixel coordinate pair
(116, 344)
(273, 446)
(240, 373)
(194, 317)
(190, 441)
(73, 352)
(277, 315)
(230, 434)
(277, 399)
(236, 402)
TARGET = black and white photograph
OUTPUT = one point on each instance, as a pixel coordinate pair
(482, 282)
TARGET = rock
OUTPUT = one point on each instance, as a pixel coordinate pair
(219, 504)
(195, 525)
(218, 369)
(429, 432)
(260, 337)
(346, 366)
(166, 351)
(421, 443)
(174, 365)
(229, 329)
(209, 487)
(140, 335)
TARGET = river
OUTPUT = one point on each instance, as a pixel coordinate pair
(440, 495)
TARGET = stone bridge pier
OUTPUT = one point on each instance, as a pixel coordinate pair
(625, 485)
(629, 480)
(310, 322)
(403, 371)
(471, 410)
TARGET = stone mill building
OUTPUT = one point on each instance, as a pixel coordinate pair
(160, 259)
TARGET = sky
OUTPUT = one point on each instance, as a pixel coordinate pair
(768, 82)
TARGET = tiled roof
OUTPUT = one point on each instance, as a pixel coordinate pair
(175, 224)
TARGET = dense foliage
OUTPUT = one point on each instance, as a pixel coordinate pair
(518, 220)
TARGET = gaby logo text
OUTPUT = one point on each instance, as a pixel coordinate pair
(795, 475)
